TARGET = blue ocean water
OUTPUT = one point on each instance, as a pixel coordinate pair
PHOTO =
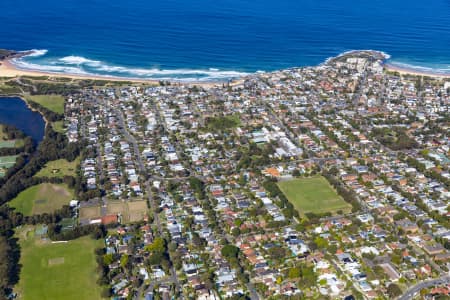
(213, 40)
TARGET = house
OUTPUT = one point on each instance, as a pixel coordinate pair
(433, 249)
(109, 219)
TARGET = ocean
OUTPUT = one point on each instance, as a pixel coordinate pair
(221, 39)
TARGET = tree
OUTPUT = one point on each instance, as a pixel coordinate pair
(321, 242)
(108, 259)
(158, 245)
(277, 253)
(4, 281)
(294, 273)
(106, 292)
(230, 251)
(235, 231)
(394, 290)
(124, 261)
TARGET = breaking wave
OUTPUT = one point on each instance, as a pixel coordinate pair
(79, 65)
(35, 52)
(441, 70)
(37, 60)
(22, 64)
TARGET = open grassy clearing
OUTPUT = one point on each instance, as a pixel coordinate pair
(58, 126)
(313, 195)
(7, 144)
(57, 270)
(59, 168)
(7, 161)
(52, 102)
(90, 212)
(137, 210)
(8, 89)
(131, 211)
(42, 198)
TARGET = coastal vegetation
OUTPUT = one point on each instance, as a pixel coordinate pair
(54, 103)
(9, 90)
(5, 53)
(49, 114)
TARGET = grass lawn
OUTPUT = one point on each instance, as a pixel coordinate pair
(42, 198)
(8, 89)
(131, 211)
(52, 102)
(57, 271)
(58, 126)
(7, 144)
(313, 194)
(59, 168)
(7, 161)
(2, 135)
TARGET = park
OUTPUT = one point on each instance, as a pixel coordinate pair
(313, 195)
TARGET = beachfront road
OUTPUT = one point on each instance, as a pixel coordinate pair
(413, 291)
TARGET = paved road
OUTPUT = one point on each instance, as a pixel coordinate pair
(337, 266)
(428, 259)
(413, 291)
(131, 139)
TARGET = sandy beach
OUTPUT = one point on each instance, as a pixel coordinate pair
(8, 69)
(406, 71)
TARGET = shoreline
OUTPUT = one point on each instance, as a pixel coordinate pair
(409, 71)
(8, 69)
(23, 98)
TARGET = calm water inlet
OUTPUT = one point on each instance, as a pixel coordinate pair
(15, 112)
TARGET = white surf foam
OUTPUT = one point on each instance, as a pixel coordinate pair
(79, 60)
(21, 64)
(35, 52)
(439, 70)
(81, 65)
(385, 55)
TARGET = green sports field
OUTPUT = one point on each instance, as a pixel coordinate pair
(7, 144)
(52, 102)
(313, 194)
(57, 270)
(7, 161)
(59, 168)
(42, 198)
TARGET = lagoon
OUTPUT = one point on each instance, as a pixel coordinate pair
(14, 111)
